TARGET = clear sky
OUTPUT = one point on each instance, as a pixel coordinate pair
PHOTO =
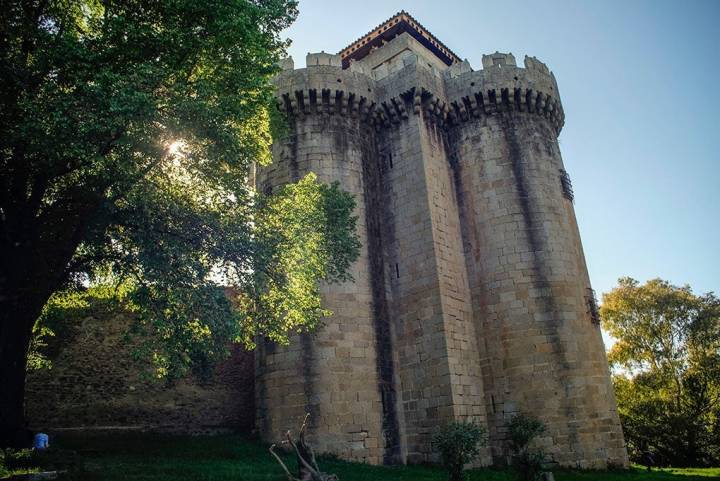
(639, 85)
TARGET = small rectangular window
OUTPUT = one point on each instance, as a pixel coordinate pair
(390, 159)
(397, 271)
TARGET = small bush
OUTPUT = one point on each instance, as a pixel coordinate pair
(459, 442)
(12, 460)
(528, 464)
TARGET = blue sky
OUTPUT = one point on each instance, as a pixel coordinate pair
(638, 81)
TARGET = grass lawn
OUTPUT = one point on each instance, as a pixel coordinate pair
(234, 458)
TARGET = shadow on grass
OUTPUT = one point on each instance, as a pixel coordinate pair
(135, 457)
(637, 473)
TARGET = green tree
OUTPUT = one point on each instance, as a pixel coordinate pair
(127, 134)
(459, 443)
(666, 365)
(526, 461)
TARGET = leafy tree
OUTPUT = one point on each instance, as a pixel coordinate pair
(127, 134)
(12, 460)
(666, 364)
(459, 443)
(526, 461)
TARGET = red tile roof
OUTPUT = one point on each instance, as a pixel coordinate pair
(386, 31)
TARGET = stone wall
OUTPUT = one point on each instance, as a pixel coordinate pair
(438, 370)
(94, 383)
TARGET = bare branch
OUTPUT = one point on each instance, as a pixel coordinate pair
(304, 454)
(287, 472)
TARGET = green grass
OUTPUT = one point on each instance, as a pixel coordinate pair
(6, 473)
(230, 457)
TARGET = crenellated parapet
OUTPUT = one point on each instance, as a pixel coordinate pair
(324, 88)
(327, 101)
(503, 86)
(386, 94)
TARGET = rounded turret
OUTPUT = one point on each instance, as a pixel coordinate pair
(543, 351)
(332, 374)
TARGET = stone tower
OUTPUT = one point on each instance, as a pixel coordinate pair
(471, 297)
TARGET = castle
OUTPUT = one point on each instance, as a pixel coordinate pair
(471, 297)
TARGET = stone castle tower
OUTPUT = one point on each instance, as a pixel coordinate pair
(471, 297)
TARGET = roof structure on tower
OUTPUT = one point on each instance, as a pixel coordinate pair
(401, 22)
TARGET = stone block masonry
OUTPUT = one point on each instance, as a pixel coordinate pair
(96, 385)
(471, 295)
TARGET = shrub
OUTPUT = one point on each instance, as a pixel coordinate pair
(459, 443)
(11, 460)
(527, 463)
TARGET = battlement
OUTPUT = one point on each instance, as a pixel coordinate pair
(400, 71)
(322, 58)
(531, 89)
(498, 60)
(403, 43)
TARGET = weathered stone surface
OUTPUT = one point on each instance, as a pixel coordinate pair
(95, 384)
(471, 293)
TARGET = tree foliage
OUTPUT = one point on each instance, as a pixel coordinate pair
(127, 134)
(666, 364)
(459, 443)
(527, 462)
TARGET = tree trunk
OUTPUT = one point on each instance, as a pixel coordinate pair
(456, 474)
(24, 289)
(16, 323)
(32, 267)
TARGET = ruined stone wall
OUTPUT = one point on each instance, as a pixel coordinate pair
(95, 384)
(472, 282)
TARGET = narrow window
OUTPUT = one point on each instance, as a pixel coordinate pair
(390, 159)
(397, 271)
